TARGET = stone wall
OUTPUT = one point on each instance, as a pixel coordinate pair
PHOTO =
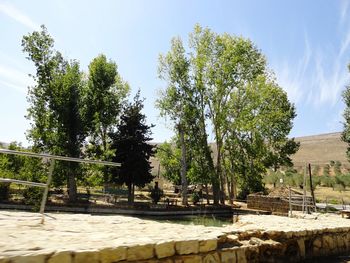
(83, 238)
(271, 204)
(234, 247)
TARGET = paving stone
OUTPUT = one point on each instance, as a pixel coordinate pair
(165, 249)
(208, 245)
(187, 247)
(86, 257)
(61, 256)
(140, 252)
(228, 256)
(109, 255)
(211, 258)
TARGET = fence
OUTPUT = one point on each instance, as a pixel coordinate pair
(52, 159)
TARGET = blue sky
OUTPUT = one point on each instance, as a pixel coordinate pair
(307, 45)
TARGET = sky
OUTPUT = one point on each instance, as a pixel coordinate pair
(306, 43)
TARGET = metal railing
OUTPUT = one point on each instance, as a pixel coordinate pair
(52, 159)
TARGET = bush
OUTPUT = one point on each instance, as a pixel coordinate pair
(33, 196)
(156, 194)
(4, 191)
(195, 197)
(327, 181)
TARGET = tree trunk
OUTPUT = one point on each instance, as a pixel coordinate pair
(207, 193)
(219, 172)
(232, 191)
(183, 165)
(131, 193)
(208, 156)
(72, 192)
(72, 185)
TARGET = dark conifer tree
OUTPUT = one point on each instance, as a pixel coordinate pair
(133, 151)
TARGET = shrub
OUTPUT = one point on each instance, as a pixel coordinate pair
(156, 194)
(33, 196)
(195, 197)
(327, 181)
(4, 191)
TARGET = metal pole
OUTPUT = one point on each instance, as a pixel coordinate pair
(57, 157)
(304, 189)
(46, 191)
(290, 203)
(312, 189)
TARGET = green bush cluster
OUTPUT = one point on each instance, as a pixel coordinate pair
(156, 194)
(196, 197)
(33, 196)
(292, 178)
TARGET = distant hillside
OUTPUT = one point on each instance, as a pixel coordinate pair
(316, 149)
(3, 145)
(320, 149)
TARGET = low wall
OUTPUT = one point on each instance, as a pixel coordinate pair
(240, 247)
(154, 211)
(271, 204)
(84, 238)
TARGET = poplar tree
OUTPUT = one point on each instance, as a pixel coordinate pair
(55, 104)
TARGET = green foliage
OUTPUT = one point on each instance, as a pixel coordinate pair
(65, 109)
(21, 167)
(132, 149)
(337, 168)
(225, 81)
(327, 181)
(346, 115)
(273, 178)
(195, 197)
(176, 101)
(103, 98)
(33, 196)
(55, 104)
(326, 170)
(169, 157)
(156, 194)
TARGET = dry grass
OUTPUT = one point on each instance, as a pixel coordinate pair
(320, 150)
(323, 194)
(333, 196)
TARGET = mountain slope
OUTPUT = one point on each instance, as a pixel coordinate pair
(321, 149)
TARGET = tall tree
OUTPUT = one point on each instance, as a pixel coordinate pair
(132, 148)
(175, 102)
(103, 99)
(201, 45)
(257, 138)
(55, 103)
(220, 86)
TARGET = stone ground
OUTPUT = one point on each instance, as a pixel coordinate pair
(21, 232)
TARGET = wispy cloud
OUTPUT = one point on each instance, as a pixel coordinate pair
(16, 14)
(14, 79)
(345, 43)
(320, 75)
(328, 80)
(291, 78)
(331, 74)
(344, 10)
